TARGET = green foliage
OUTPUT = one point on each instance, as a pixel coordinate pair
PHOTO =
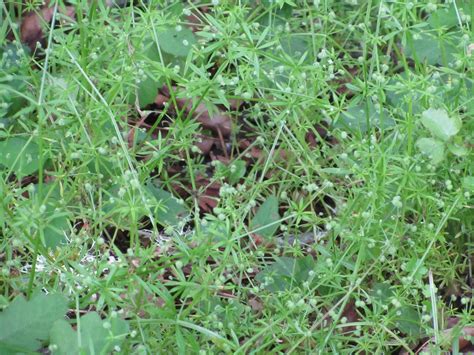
(440, 124)
(347, 115)
(169, 211)
(13, 79)
(431, 147)
(362, 117)
(19, 156)
(25, 324)
(234, 172)
(177, 42)
(405, 318)
(287, 273)
(265, 222)
(94, 335)
(443, 128)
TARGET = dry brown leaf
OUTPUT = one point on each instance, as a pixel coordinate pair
(256, 304)
(208, 199)
(193, 21)
(205, 144)
(31, 30)
(220, 123)
(464, 345)
(463, 342)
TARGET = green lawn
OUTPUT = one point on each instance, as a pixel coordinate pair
(236, 176)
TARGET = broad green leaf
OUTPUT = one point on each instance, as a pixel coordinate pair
(286, 272)
(95, 336)
(295, 45)
(14, 65)
(458, 149)
(468, 183)
(265, 222)
(237, 171)
(56, 218)
(425, 46)
(57, 225)
(9, 94)
(19, 155)
(25, 325)
(382, 292)
(175, 9)
(432, 148)
(440, 124)
(418, 271)
(278, 16)
(177, 42)
(168, 210)
(360, 117)
(400, 95)
(408, 321)
(147, 91)
(443, 18)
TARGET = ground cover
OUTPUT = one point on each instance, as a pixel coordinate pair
(236, 176)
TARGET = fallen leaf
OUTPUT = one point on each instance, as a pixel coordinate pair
(220, 123)
(463, 343)
(209, 198)
(256, 304)
(351, 316)
(31, 29)
(205, 144)
(193, 21)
